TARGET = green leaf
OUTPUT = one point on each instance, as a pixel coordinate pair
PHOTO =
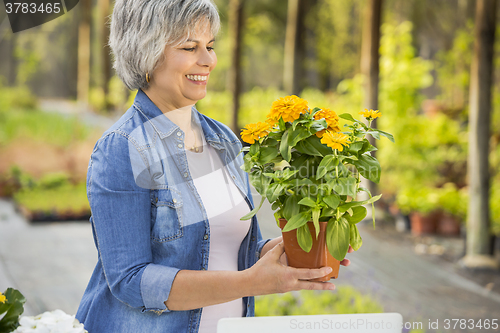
(13, 308)
(328, 163)
(358, 214)
(297, 220)
(307, 202)
(313, 146)
(343, 208)
(346, 186)
(304, 238)
(291, 207)
(318, 125)
(332, 200)
(260, 181)
(368, 167)
(387, 135)
(355, 238)
(347, 116)
(267, 154)
(297, 135)
(254, 148)
(337, 238)
(253, 211)
(274, 191)
(315, 217)
(285, 149)
(355, 147)
(375, 134)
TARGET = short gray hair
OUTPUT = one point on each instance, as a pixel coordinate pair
(140, 30)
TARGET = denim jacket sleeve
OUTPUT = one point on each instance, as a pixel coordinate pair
(121, 218)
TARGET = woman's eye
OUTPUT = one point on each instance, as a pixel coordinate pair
(190, 49)
(210, 48)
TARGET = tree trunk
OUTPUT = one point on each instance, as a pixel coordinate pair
(84, 53)
(105, 50)
(370, 65)
(478, 240)
(293, 42)
(235, 76)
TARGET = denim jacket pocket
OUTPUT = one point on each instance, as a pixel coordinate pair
(166, 215)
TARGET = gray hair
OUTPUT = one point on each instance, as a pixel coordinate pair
(140, 30)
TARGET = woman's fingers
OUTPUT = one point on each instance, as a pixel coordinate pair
(345, 262)
(308, 285)
(310, 273)
(350, 249)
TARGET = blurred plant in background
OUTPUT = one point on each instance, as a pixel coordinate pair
(344, 300)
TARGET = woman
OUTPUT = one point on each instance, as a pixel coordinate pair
(167, 192)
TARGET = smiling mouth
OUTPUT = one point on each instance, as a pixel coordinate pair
(200, 78)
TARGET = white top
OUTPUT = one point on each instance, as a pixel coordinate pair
(224, 205)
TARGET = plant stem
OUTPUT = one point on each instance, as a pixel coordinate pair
(337, 166)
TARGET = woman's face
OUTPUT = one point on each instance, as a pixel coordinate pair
(181, 80)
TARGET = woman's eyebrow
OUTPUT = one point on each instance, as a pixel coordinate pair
(197, 41)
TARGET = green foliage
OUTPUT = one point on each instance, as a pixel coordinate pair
(11, 309)
(12, 98)
(40, 126)
(334, 27)
(345, 300)
(53, 193)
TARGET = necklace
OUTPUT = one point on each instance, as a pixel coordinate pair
(194, 147)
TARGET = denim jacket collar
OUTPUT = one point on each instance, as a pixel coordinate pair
(165, 127)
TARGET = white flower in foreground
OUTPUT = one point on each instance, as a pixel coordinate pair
(50, 322)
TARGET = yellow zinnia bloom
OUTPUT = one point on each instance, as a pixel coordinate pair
(289, 108)
(331, 119)
(255, 131)
(2, 298)
(335, 140)
(372, 114)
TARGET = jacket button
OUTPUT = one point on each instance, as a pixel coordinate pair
(174, 200)
(253, 238)
(179, 145)
(179, 133)
(185, 174)
(205, 237)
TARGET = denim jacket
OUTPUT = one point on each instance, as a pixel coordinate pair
(149, 222)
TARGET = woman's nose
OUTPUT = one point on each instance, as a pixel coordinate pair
(207, 58)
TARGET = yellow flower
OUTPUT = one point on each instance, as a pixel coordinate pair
(335, 140)
(2, 298)
(289, 108)
(372, 114)
(331, 119)
(255, 131)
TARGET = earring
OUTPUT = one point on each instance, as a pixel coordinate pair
(148, 78)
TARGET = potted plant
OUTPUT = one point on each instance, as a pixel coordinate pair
(421, 204)
(453, 203)
(310, 171)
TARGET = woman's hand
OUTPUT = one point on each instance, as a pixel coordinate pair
(270, 276)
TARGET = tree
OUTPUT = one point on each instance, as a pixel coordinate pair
(83, 82)
(235, 26)
(478, 238)
(293, 42)
(370, 62)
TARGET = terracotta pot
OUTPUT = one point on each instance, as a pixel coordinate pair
(319, 256)
(424, 223)
(448, 225)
